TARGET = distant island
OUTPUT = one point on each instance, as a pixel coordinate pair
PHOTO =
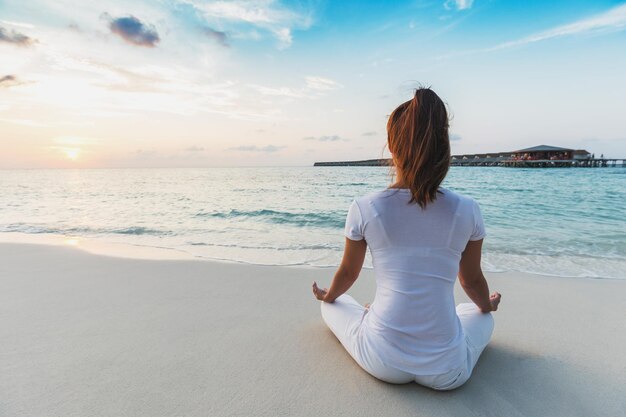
(365, 163)
(542, 156)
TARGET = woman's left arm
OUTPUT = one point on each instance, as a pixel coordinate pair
(347, 273)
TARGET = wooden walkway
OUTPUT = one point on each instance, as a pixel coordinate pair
(541, 163)
(497, 162)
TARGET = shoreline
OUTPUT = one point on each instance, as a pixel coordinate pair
(87, 334)
(97, 246)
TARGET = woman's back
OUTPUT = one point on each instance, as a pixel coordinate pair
(419, 236)
(416, 254)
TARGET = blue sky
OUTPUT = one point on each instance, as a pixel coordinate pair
(262, 82)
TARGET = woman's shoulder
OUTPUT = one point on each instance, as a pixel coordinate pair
(463, 203)
(452, 195)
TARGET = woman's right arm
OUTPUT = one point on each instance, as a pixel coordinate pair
(346, 274)
(472, 279)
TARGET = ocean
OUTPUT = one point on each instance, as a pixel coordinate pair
(559, 222)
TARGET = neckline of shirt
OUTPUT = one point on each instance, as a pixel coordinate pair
(407, 189)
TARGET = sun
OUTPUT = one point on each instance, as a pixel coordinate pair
(72, 153)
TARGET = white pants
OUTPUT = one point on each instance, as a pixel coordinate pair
(345, 315)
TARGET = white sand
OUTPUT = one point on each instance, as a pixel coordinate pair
(85, 335)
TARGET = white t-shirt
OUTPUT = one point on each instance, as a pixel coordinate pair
(412, 322)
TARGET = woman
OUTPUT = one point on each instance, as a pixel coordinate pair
(420, 236)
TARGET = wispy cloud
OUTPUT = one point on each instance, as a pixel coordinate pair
(18, 24)
(321, 84)
(284, 36)
(25, 122)
(254, 148)
(458, 4)
(329, 138)
(314, 86)
(372, 133)
(195, 149)
(38, 123)
(122, 79)
(267, 15)
(612, 20)
(16, 38)
(171, 89)
(133, 30)
(278, 91)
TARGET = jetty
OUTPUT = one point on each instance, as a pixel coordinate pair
(542, 156)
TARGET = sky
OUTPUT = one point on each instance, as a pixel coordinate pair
(200, 83)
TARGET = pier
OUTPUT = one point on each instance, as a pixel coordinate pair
(541, 163)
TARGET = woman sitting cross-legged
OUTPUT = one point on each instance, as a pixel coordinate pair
(420, 236)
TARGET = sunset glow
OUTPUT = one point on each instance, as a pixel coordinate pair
(72, 154)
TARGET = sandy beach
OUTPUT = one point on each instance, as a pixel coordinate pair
(90, 335)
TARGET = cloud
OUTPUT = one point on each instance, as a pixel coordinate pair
(369, 134)
(251, 11)
(18, 24)
(278, 91)
(455, 137)
(45, 123)
(216, 35)
(612, 20)
(195, 149)
(116, 78)
(15, 38)
(321, 84)
(9, 81)
(267, 15)
(284, 36)
(133, 31)
(254, 148)
(458, 4)
(313, 87)
(331, 138)
(25, 122)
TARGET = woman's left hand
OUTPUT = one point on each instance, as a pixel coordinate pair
(318, 292)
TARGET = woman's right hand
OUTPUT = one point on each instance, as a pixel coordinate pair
(494, 300)
(319, 293)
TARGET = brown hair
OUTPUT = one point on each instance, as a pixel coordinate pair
(417, 136)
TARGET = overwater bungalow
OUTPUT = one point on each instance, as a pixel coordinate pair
(541, 156)
(552, 153)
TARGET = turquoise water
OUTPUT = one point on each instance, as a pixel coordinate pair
(562, 222)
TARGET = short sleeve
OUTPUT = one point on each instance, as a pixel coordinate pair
(354, 223)
(479, 225)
